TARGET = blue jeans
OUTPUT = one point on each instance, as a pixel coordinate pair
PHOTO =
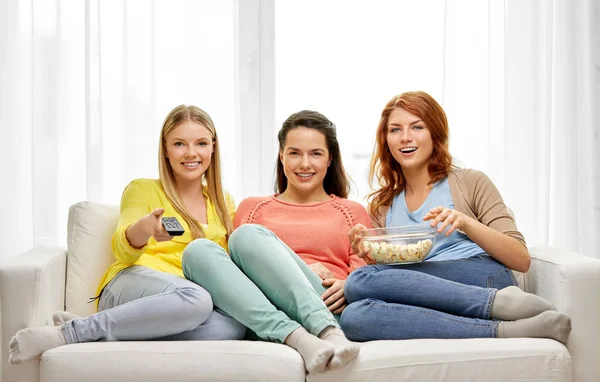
(433, 299)
(143, 304)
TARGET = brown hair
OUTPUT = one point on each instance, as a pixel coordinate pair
(212, 176)
(383, 165)
(336, 180)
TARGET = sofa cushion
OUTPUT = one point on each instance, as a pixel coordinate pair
(490, 360)
(172, 361)
(89, 233)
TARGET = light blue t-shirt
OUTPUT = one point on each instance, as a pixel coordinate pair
(455, 246)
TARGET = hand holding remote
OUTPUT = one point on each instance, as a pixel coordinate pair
(154, 227)
(172, 225)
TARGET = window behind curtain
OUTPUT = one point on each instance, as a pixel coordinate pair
(155, 56)
(105, 74)
(347, 60)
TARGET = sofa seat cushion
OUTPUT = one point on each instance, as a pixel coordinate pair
(490, 360)
(158, 361)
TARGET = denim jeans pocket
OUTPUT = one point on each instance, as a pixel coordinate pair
(501, 279)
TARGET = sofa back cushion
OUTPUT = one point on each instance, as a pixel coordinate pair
(89, 233)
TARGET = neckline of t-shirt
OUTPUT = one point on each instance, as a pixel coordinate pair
(332, 199)
(418, 210)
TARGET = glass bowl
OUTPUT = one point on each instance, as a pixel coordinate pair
(399, 245)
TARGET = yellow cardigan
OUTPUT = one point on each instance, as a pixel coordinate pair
(140, 197)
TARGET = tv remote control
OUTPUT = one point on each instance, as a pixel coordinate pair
(172, 226)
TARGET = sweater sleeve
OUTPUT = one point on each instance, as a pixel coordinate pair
(378, 220)
(361, 217)
(243, 210)
(489, 206)
(135, 204)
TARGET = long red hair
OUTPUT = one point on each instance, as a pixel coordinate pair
(383, 165)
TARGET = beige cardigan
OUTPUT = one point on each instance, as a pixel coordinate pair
(474, 194)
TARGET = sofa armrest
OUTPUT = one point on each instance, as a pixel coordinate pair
(571, 281)
(32, 287)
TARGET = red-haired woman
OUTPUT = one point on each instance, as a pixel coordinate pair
(465, 288)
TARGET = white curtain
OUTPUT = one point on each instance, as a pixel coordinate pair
(551, 159)
(519, 80)
(85, 86)
(522, 91)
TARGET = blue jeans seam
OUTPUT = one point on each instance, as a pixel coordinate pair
(488, 304)
(501, 272)
(430, 312)
(495, 326)
(512, 277)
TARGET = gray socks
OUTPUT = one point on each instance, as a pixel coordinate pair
(30, 343)
(511, 303)
(315, 352)
(549, 324)
(344, 351)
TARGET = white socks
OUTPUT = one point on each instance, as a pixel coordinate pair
(331, 349)
(549, 324)
(344, 351)
(315, 352)
(30, 343)
(511, 303)
(61, 317)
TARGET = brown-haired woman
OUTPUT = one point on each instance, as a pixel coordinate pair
(465, 287)
(290, 254)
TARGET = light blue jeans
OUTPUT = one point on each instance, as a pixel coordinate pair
(433, 299)
(144, 304)
(263, 284)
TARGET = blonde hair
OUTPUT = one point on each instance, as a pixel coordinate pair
(212, 176)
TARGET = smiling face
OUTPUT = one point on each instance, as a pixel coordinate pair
(189, 148)
(305, 160)
(409, 140)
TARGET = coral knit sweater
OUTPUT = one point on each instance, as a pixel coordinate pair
(316, 232)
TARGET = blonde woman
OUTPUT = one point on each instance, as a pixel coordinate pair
(144, 294)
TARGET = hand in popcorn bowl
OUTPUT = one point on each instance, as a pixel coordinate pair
(398, 245)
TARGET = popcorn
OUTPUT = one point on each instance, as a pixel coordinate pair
(385, 253)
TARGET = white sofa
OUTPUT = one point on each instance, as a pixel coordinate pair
(43, 280)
